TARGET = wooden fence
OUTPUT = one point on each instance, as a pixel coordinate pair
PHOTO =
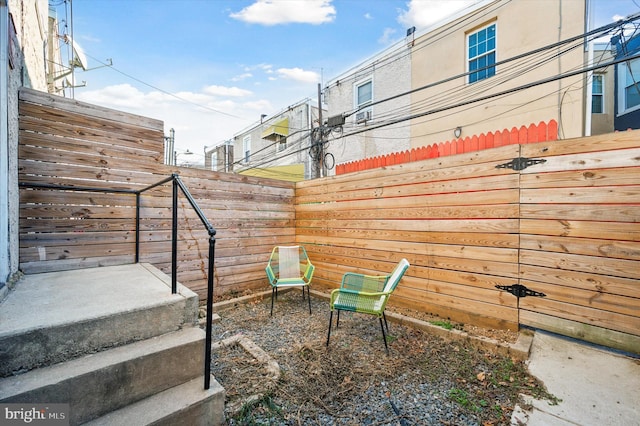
(580, 238)
(66, 142)
(566, 226)
(454, 218)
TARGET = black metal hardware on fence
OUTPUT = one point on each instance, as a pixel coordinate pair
(519, 290)
(521, 163)
(177, 184)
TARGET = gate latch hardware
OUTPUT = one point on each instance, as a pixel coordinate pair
(519, 290)
(520, 163)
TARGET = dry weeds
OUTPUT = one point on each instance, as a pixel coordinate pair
(339, 382)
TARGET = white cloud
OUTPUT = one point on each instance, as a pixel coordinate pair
(226, 91)
(261, 105)
(199, 118)
(423, 13)
(123, 96)
(298, 74)
(243, 76)
(387, 36)
(368, 16)
(275, 12)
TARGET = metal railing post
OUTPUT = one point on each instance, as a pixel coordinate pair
(177, 184)
(174, 238)
(209, 329)
(137, 227)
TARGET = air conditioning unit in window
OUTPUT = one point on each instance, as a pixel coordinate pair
(363, 116)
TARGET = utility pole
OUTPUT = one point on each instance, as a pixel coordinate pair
(318, 140)
(320, 135)
(315, 150)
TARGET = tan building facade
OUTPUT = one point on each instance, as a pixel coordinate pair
(472, 82)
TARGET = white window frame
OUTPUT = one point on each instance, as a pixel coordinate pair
(281, 143)
(485, 53)
(246, 148)
(600, 94)
(623, 84)
(358, 105)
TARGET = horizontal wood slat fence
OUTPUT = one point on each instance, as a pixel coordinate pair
(66, 142)
(567, 227)
(454, 218)
(580, 238)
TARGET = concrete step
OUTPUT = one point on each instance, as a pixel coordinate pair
(53, 317)
(99, 383)
(188, 404)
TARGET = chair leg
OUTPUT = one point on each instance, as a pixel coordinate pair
(308, 297)
(329, 333)
(384, 337)
(385, 321)
(338, 319)
(273, 290)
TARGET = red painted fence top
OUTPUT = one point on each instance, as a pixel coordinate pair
(534, 133)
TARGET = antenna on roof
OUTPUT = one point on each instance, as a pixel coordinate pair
(411, 32)
(78, 60)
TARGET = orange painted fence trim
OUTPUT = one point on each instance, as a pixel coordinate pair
(540, 132)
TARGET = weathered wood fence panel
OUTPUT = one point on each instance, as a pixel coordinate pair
(66, 142)
(454, 218)
(568, 227)
(580, 239)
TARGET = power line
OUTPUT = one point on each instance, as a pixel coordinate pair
(503, 93)
(599, 32)
(473, 94)
(256, 163)
(402, 52)
(162, 90)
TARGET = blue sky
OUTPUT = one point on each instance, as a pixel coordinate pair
(210, 68)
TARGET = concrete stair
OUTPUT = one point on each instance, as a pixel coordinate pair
(113, 343)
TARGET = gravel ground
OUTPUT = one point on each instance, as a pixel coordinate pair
(425, 380)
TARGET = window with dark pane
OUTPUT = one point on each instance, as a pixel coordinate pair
(481, 53)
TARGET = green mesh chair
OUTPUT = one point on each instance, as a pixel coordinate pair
(366, 294)
(289, 266)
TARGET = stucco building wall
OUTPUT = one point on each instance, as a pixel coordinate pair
(27, 22)
(521, 26)
(391, 75)
(266, 153)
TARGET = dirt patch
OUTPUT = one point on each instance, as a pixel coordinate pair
(354, 381)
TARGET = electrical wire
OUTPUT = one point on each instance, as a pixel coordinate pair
(469, 91)
(596, 33)
(173, 95)
(494, 95)
(476, 94)
(270, 159)
(437, 104)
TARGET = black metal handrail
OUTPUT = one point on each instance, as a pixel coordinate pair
(177, 184)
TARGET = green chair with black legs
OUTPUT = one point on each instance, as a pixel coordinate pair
(289, 266)
(367, 294)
